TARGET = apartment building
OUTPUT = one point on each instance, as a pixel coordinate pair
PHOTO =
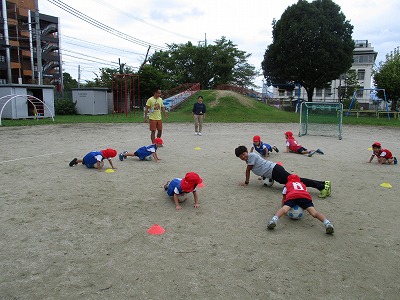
(29, 45)
(364, 58)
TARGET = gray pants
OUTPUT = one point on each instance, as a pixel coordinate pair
(198, 122)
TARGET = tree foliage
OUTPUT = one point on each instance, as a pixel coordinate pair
(312, 45)
(68, 82)
(387, 76)
(211, 65)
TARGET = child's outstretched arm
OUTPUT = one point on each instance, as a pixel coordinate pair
(111, 164)
(155, 157)
(196, 200)
(248, 169)
(176, 200)
(371, 158)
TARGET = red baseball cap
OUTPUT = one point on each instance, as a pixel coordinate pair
(158, 141)
(289, 133)
(191, 179)
(109, 153)
(256, 138)
(376, 144)
(293, 178)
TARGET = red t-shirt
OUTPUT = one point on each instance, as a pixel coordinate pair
(383, 153)
(293, 144)
(296, 190)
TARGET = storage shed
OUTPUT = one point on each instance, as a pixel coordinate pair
(91, 101)
(19, 101)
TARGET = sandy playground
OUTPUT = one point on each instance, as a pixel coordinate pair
(75, 233)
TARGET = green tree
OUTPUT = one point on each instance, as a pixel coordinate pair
(210, 65)
(68, 82)
(312, 45)
(387, 76)
(106, 76)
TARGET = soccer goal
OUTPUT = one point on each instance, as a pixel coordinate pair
(321, 118)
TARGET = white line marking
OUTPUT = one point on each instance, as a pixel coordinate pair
(29, 157)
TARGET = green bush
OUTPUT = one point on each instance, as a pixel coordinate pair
(65, 107)
(346, 104)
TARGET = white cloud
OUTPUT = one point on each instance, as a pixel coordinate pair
(246, 23)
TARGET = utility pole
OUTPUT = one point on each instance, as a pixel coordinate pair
(79, 76)
(38, 44)
(205, 39)
(6, 38)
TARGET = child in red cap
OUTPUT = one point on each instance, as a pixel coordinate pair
(182, 186)
(263, 148)
(295, 193)
(293, 146)
(384, 155)
(145, 152)
(95, 159)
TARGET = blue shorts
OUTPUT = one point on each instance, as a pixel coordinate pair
(301, 150)
(302, 202)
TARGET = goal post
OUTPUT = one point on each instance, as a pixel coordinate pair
(321, 118)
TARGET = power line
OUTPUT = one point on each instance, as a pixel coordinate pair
(102, 26)
(107, 5)
(113, 49)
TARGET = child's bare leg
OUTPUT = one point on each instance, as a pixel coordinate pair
(316, 214)
(329, 229)
(283, 210)
(129, 154)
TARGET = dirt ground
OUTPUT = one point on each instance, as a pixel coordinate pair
(75, 233)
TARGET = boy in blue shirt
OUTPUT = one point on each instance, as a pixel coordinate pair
(95, 159)
(263, 148)
(145, 152)
(178, 186)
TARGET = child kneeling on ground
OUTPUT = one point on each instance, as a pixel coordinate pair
(178, 186)
(295, 193)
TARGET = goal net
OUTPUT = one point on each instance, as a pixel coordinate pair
(321, 118)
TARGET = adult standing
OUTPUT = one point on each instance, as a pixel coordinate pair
(155, 105)
(199, 114)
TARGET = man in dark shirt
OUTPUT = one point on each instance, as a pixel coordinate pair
(199, 114)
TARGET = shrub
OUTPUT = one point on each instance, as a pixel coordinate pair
(65, 107)
(346, 104)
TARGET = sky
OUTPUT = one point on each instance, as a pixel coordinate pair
(160, 22)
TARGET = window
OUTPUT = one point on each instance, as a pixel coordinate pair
(2, 58)
(361, 74)
(360, 93)
(318, 92)
(369, 58)
(327, 92)
(281, 92)
(289, 93)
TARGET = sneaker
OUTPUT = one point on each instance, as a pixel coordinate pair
(122, 155)
(271, 224)
(199, 133)
(319, 151)
(329, 229)
(311, 153)
(395, 160)
(73, 162)
(166, 185)
(196, 133)
(275, 148)
(326, 191)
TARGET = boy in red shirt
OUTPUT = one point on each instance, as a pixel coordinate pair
(384, 155)
(293, 146)
(295, 193)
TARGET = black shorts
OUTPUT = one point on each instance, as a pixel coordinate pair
(302, 202)
(301, 150)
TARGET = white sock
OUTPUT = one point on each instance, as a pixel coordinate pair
(326, 221)
(275, 218)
